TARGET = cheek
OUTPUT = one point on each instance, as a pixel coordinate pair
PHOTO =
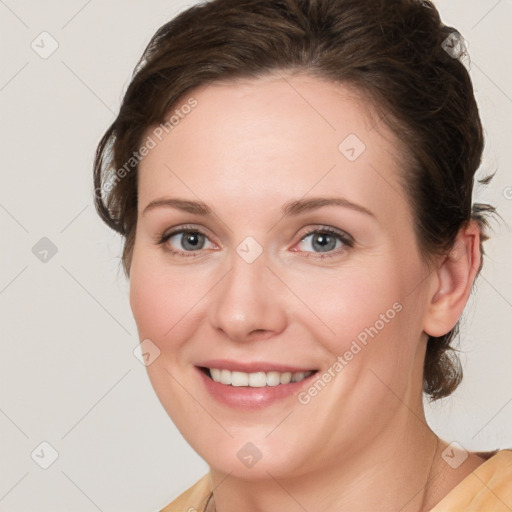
(158, 300)
(168, 303)
(350, 303)
(161, 308)
(367, 317)
(147, 302)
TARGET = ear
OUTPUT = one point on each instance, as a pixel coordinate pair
(454, 278)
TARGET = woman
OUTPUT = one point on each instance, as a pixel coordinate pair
(293, 180)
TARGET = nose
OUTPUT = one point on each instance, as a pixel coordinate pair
(249, 303)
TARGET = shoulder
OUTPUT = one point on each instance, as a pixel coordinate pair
(193, 499)
(487, 488)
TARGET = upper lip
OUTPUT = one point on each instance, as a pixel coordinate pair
(251, 367)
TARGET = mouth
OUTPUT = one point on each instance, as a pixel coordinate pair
(246, 386)
(257, 379)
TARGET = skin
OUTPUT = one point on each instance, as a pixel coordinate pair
(248, 148)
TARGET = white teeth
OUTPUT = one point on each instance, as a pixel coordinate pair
(236, 378)
(257, 379)
(273, 378)
(225, 377)
(298, 376)
(215, 374)
(285, 378)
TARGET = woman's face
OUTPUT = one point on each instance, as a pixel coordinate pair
(256, 290)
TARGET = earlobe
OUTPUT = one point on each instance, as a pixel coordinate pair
(455, 276)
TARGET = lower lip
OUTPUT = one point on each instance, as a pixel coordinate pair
(246, 397)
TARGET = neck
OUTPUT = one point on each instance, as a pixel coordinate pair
(399, 470)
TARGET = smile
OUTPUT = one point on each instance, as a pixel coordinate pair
(256, 379)
(252, 385)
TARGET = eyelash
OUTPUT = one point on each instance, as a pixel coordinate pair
(345, 238)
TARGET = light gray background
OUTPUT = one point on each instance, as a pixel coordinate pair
(68, 374)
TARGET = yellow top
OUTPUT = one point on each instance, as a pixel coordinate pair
(487, 489)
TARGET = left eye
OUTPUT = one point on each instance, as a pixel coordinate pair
(324, 241)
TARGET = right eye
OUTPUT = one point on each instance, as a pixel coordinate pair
(187, 240)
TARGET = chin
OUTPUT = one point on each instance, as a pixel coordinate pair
(248, 460)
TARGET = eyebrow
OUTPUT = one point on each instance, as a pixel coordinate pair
(289, 209)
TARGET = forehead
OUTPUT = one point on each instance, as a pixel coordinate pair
(273, 136)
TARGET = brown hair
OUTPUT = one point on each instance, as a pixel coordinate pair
(394, 52)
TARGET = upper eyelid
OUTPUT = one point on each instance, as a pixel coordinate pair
(184, 229)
